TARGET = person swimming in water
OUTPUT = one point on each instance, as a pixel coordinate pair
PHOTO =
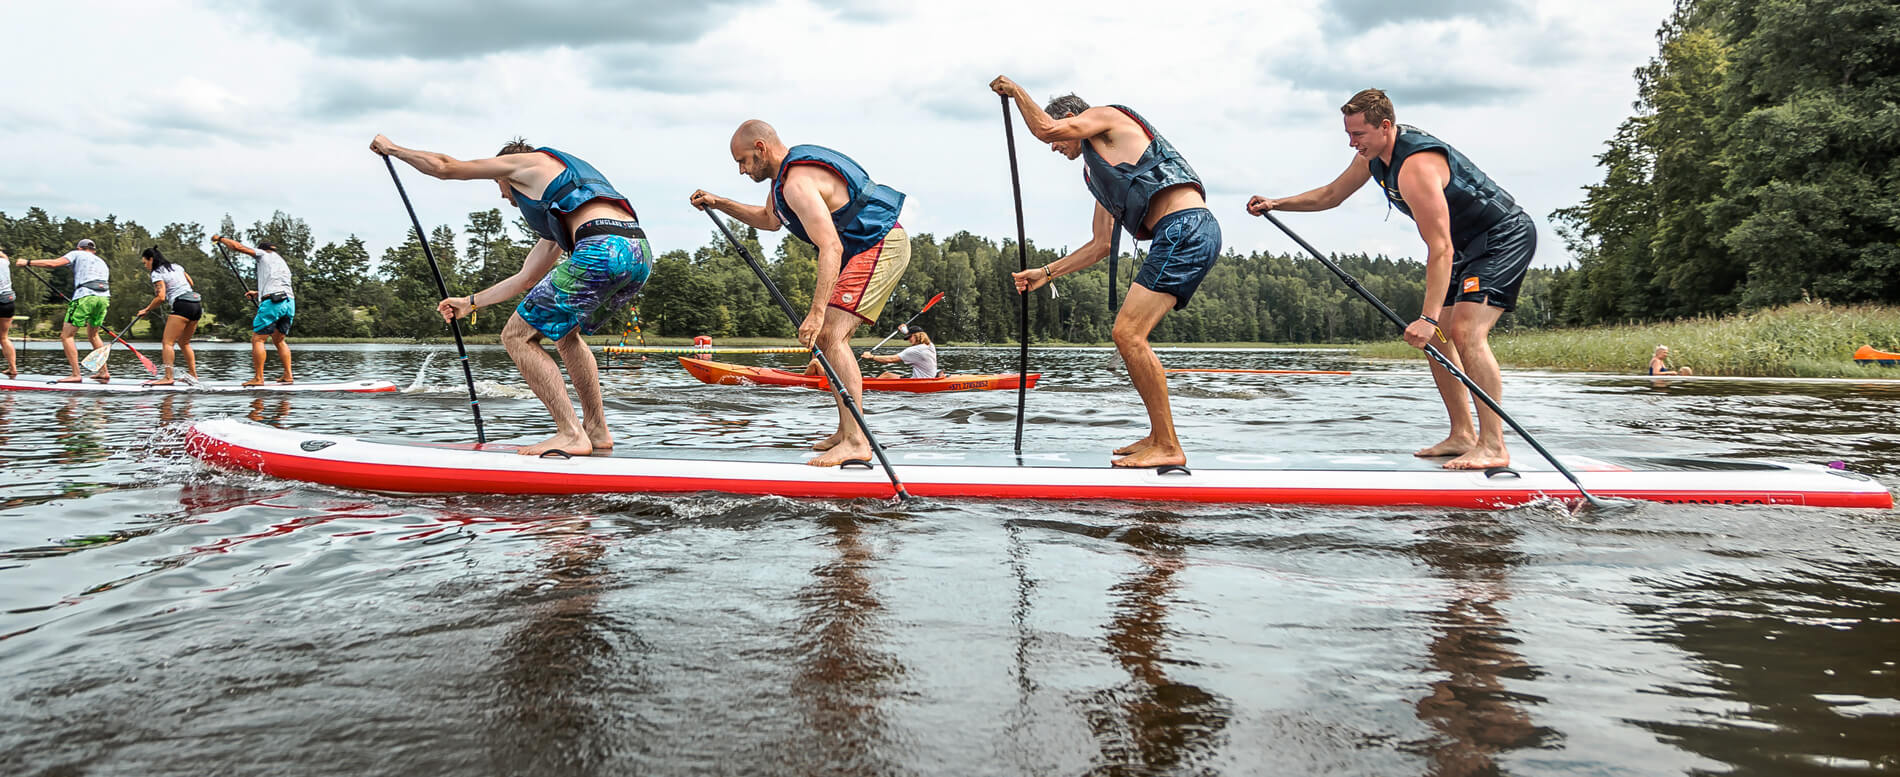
(1659, 363)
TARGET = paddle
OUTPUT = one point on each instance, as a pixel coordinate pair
(1022, 265)
(1433, 352)
(905, 327)
(228, 265)
(468, 374)
(837, 386)
(97, 358)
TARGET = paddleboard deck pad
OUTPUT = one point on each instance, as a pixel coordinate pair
(1382, 480)
(136, 386)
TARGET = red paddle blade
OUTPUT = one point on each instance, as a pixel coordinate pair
(933, 301)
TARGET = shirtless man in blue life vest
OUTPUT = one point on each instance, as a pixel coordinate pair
(1476, 235)
(827, 200)
(573, 209)
(1142, 184)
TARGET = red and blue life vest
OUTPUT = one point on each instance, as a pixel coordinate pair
(861, 223)
(577, 185)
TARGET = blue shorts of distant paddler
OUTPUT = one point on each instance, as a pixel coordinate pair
(610, 262)
(274, 316)
(1185, 246)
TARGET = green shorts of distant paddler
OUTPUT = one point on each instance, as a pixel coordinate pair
(87, 311)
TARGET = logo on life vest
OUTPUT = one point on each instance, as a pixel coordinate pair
(1471, 284)
(846, 297)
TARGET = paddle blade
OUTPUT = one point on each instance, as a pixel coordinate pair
(932, 303)
(96, 359)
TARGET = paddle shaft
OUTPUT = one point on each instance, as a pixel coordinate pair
(468, 374)
(149, 366)
(228, 265)
(1440, 358)
(1022, 265)
(837, 386)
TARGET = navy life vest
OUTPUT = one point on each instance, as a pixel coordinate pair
(1476, 202)
(578, 185)
(863, 222)
(1124, 190)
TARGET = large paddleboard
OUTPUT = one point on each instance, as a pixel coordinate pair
(621, 350)
(1387, 480)
(125, 385)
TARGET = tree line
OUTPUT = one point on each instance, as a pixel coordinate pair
(1762, 166)
(341, 292)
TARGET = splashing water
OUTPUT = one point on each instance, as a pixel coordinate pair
(422, 374)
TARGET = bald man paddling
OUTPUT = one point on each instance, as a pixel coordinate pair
(827, 200)
(1141, 183)
(1476, 235)
(573, 209)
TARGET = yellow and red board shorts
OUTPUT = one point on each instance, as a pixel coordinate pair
(868, 279)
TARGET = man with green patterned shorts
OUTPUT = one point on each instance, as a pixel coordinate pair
(86, 307)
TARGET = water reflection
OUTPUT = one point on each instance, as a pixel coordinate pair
(1151, 724)
(842, 678)
(1474, 649)
(78, 421)
(547, 717)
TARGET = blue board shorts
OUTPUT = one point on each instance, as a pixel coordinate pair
(273, 317)
(1186, 243)
(1490, 268)
(602, 275)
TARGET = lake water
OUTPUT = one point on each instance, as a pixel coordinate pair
(161, 618)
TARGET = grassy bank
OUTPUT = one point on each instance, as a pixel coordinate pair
(1805, 341)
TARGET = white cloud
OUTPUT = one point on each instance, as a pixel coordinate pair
(176, 111)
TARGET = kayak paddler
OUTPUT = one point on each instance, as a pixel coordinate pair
(921, 356)
(826, 199)
(1142, 184)
(1480, 243)
(276, 305)
(573, 209)
(92, 284)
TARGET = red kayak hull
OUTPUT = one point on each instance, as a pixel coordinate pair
(721, 373)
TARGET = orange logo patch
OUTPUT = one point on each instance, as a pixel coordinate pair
(1471, 284)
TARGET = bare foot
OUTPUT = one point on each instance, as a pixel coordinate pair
(1450, 446)
(1153, 456)
(287, 379)
(165, 382)
(70, 379)
(829, 442)
(572, 446)
(253, 382)
(842, 453)
(1482, 457)
(600, 438)
(1136, 446)
(102, 378)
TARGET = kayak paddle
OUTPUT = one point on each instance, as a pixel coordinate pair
(903, 328)
(837, 386)
(97, 358)
(1022, 265)
(1437, 356)
(474, 402)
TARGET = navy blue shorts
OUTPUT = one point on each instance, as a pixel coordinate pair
(1185, 246)
(1491, 267)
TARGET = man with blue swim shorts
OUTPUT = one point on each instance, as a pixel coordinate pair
(276, 305)
(1479, 244)
(1141, 183)
(573, 209)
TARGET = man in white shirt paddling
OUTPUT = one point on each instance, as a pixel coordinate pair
(276, 305)
(87, 308)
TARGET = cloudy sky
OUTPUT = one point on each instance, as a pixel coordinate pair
(162, 111)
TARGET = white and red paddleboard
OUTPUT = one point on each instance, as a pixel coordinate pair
(129, 385)
(1383, 480)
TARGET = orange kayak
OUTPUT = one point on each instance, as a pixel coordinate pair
(1867, 355)
(721, 373)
